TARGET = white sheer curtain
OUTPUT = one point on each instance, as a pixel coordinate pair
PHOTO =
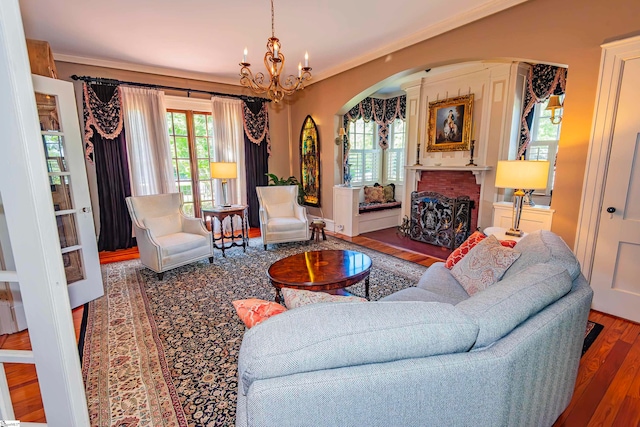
(228, 146)
(145, 127)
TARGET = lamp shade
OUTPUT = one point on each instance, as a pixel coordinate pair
(522, 174)
(554, 102)
(224, 170)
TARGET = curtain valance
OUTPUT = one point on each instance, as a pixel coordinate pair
(105, 117)
(255, 119)
(383, 111)
(542, 81)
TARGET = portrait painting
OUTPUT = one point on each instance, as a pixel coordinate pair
(310, 162)
(450, 124)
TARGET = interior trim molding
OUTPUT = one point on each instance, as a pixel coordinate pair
(612, 60)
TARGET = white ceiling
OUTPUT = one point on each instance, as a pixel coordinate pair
(205, 40)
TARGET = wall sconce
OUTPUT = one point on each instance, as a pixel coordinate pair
(554, 104)
(341, 134)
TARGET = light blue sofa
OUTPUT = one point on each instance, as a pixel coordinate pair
(426, 356)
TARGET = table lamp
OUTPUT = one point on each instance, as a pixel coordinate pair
(521, 175)
(224, 171)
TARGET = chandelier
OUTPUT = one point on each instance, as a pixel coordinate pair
(274, 62)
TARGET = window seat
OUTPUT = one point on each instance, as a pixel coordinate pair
(353, 217)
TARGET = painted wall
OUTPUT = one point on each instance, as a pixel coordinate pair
(569, 33)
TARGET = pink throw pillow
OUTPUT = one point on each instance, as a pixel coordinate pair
(252, 311)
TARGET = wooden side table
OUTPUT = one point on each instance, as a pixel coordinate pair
(220, 213)
(317, 227)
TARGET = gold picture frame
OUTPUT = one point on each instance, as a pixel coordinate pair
(450, 124)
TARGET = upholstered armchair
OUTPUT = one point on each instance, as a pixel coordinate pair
(282, 219)
(166, 237)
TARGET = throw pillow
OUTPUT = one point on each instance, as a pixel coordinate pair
(252, 311)
(373, 194)
(163, 225)
(484, 265)
(280, 210)
(464, 249)
(294, 298)
(389, 193)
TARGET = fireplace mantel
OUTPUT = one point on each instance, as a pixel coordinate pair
(477, 171)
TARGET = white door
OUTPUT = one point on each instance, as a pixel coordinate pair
(64, 153)
(615, 277)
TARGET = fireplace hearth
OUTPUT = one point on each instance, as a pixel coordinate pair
(440, 220)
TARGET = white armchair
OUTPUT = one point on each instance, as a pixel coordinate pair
(166, 237)
(282, 219)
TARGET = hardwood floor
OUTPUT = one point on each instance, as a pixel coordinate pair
(607, 391)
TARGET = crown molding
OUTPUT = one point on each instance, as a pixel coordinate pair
(434, 30)
(149, 69)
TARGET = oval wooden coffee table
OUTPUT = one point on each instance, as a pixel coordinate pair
(320, 271)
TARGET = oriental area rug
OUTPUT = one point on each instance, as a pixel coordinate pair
(164, 353)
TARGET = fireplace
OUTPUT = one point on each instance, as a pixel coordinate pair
(440, 220)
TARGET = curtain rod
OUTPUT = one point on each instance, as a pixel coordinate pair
(115, 82)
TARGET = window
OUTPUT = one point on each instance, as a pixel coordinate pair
(190, 137)
(364, 156)
(394, 155)
(368, 163)
(544, 141)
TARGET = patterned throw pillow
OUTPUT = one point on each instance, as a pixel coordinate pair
(252, 311)
(464, 249)
(508, 243)
(389, 193)
(294, 298)
(484, 265)
(373, 194)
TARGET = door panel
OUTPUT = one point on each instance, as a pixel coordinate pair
(615, 277)
(64, 152)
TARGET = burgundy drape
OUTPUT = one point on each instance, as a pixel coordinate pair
(112, 170)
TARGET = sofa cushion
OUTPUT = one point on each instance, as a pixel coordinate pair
(294, 298)
(373, 194)
(254, 311)
(484, 265)
(163, 225)
(459, 253)
(176, 243)
(502, 307)
(285, 224)
(280, 210)
(418, 294)
(327, 336)
(438, 279)
(544, 247)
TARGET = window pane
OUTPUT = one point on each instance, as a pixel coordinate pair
(170, 122)
(368, 142)
(180, 124)
(202, 147)
(187, 191)
(205, 191)
(200, 124)
(182, 147)
(184, 169)
(188, 209)
(204, 169)
(359, 142)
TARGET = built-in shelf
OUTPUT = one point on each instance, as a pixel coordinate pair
(477, 171)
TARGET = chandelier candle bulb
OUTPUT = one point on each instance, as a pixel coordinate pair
(299, 70)
(244, 55)
(306, 59)
(275, 50)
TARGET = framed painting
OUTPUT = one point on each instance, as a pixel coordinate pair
(310, 162)
(450, 124)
